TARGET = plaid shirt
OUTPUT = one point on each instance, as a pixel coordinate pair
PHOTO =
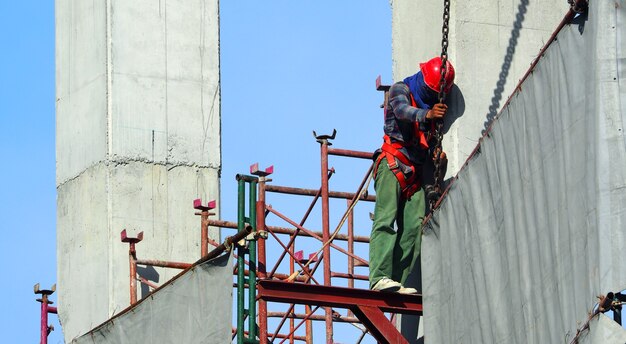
(400, 120)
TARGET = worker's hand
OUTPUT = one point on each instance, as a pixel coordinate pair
(443, 158)
(437, 112)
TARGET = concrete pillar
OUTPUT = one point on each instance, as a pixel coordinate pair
(138, 138)
(491, 45)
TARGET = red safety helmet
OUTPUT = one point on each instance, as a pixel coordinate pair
(432, 73)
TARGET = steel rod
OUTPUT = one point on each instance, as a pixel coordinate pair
(350, 248)
(163, 263)
(204, 233)
(350, 153)
(290, 231)
(252, 258)
(326, 233)
(311, 192)
(312, 317)
(44, 320)
(262, 263)
(351, 277)
(132, 260)
(240, 263)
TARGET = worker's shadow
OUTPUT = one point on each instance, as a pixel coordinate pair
(151, 275)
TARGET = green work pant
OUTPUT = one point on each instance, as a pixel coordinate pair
(396, 236)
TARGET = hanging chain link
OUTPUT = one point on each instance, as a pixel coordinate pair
(437, 151)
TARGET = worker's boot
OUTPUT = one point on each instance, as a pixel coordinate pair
(407, 290)
(387, 285)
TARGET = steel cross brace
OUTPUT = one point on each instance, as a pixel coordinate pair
(367, 305)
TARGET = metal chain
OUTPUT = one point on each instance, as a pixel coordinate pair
(578, 6)
(442, 97)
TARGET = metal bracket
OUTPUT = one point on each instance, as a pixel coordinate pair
(254, 169)
(126, 238)
(324, 138)
(197, 204)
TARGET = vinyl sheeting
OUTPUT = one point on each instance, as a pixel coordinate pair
(196, 307)
(533, 228)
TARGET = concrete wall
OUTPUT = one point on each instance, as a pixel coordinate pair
(491, 45)
(138, 138)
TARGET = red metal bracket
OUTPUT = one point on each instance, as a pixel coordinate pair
(254, 169)
(126, 238)
(197, 204)
(325, 137)
(380, 86)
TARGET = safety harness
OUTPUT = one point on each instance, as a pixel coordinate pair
(392, 153)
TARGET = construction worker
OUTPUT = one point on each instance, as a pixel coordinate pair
(410, 114)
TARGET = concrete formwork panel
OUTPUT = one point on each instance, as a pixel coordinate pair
(163, 80)
(79, 95)
(138, 138)
(83, 251)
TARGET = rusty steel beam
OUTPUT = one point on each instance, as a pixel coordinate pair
(312, 317)
(379, 326)
(350, 276)
(350, 153)
(163, 263)
(311, 192)
(340, 297)
(132, 262)
(204, 226)
(290, 231)
(368, 306)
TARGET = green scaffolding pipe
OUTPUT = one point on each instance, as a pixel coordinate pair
(241, 194)
(252, 326)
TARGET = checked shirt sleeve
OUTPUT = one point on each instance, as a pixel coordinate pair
(400, 101)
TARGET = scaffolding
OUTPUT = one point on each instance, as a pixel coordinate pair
(304, 297)
(301, 285)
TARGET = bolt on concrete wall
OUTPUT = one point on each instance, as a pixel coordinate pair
(491, 45)
(138, 138)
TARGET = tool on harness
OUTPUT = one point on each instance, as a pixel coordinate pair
(406, 173)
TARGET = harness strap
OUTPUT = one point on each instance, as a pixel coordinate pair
(421, 137)
(390, 152)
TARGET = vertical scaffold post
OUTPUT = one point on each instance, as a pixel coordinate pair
(241, 208)
(242, 223)
(45, 329)
(132, 262)
(261, 235)
(350, 249)
(204, 224)
(253, 262)
(324, 143)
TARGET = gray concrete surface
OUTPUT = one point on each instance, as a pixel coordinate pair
(491, 45)
(138, 138)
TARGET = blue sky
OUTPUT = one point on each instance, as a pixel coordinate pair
(288, 68)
